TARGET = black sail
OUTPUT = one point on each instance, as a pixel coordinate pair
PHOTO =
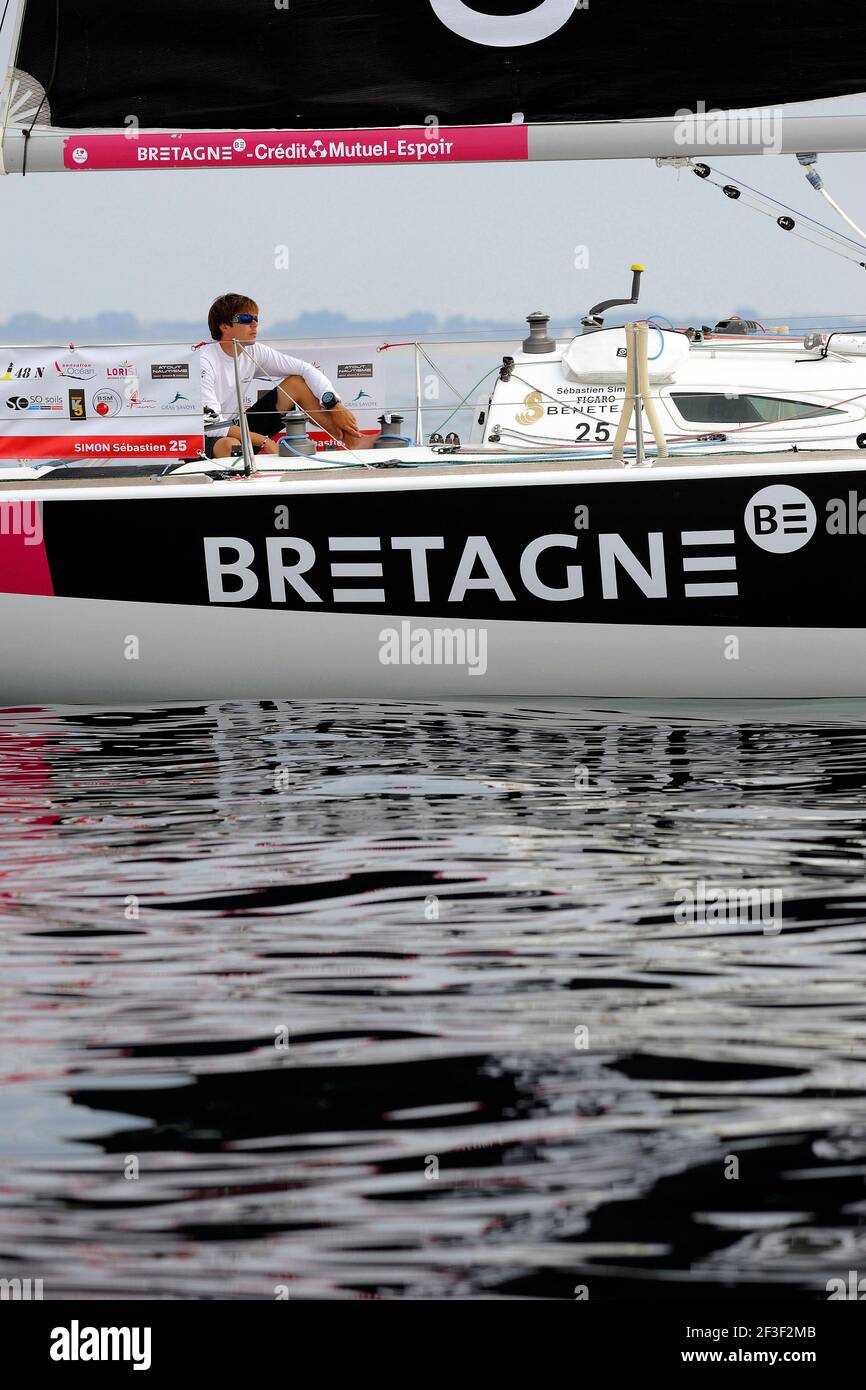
(249, 64)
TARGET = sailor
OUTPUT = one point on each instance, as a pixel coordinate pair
(235, 318)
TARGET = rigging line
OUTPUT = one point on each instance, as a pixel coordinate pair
(801, 236)
(48, 86)
(792, 231)
(841, 238)
(464, 403)
(769, 197)
(437, 370)
(3, 21)
(841, 212)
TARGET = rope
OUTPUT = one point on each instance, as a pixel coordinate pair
(844, 244)
(438, 370)
(765, 212)
(465, 399)
(48, 86)
(841, 212)
(832, 231)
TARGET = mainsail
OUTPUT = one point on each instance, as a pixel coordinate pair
(345, 81)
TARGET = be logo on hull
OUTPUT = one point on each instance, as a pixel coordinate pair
(504, 31)
(780, 518)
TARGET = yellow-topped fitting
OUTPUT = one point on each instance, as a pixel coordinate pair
(637, 267)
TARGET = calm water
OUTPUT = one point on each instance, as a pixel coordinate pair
(409, 1000)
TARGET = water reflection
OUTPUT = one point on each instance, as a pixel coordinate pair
(396, 1000)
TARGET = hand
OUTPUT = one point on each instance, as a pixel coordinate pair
(344, 420)
(270, 447)
(339, 422)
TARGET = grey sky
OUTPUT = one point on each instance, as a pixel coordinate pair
(490, 242)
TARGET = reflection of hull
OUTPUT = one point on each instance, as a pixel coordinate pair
(712, 579)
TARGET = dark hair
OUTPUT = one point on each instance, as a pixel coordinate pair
(224, 309)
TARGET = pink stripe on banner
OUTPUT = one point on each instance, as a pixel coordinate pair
(23, 562)
(264, 149)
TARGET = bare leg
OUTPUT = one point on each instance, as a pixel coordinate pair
(223, 447)
(293, 390)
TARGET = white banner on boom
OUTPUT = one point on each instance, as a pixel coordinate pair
(100, 403)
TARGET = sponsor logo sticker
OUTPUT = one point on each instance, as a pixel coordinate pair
(138, 402)
(354, 369)
(780, 519)
(34, 402)
(179, 403)
(13, 373)
(106, 402)
(77, 409)
(169, 371)
(75, 368)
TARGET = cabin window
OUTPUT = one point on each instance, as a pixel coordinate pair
(714, 408)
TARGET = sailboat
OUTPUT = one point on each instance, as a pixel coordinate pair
(539, 564)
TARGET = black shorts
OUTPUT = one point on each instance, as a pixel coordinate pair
(264, 417)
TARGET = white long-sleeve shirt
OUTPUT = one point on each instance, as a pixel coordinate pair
(257, 361)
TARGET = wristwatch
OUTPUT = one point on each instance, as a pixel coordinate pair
(329, 400)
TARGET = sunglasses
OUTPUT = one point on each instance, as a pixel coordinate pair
(245, 318)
